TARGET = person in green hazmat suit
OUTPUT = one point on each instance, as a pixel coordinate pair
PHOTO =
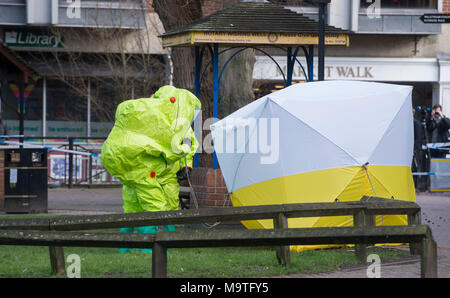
(150, 144)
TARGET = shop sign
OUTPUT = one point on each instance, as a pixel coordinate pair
(244, 38)
(32, 38)
(353, 68)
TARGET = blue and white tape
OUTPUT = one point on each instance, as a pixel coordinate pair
(436, 146)
(430, 174)
(50, 148)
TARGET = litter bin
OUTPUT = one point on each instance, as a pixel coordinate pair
(441, 180)
(26, 181)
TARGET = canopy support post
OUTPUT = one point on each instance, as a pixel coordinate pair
(322, 16)
(310, 63)
(216, 88)
(290, 67)
(291, 58)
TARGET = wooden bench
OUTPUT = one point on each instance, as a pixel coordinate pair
(224, 238)
(361, 211)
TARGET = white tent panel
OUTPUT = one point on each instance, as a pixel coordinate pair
(320, 125)
(227, 137)
(285, 146)
(396, 146)
(354, 115)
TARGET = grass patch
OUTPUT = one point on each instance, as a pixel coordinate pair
(33, 262)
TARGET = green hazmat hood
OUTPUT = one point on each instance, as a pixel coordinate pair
(149, 132)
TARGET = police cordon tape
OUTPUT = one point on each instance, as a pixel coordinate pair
(97, 155)
(430, 145)
(49, 148)
(436, 146)
(430, 174)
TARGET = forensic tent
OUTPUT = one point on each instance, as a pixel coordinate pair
(319, 142)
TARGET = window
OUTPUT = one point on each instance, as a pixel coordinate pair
(402, 4)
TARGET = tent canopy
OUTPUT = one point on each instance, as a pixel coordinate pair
(318, 142)
(321, 125)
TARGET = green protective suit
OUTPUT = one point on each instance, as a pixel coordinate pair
(145, 149)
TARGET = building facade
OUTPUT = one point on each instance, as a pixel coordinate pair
(86, 56)
(89, 55)
(389, 43)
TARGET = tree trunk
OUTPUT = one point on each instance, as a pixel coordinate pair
(236, 83)
(175, 14)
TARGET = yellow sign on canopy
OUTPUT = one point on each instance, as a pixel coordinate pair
(246, 38)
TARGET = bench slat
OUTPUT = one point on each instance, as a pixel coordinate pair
(76, 239)
(295, 236)
(216, 238)
(25, 224)
(67, 223)
(371, 206)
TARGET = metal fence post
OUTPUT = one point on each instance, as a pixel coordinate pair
(70, 163)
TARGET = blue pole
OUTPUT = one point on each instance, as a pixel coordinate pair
(197, 71)
(311, 64)
(290, 67)
(216, 87)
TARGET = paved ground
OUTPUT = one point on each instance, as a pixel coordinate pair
(409, 268)
(85, 201)
(435, 213)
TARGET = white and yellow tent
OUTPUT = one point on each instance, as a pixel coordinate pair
(318, 142)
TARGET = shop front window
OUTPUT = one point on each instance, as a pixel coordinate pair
(64, 103)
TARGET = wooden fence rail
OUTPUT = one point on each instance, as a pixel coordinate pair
(220, 238)
(362, 212)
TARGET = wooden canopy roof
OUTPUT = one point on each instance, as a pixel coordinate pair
(254, 23)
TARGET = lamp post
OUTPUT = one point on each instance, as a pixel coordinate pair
(321, 52)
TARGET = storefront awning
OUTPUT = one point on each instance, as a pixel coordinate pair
(94, 65)
(10, 55)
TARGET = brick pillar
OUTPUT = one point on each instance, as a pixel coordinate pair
(445, 6)
(210, 187)
(2, 179)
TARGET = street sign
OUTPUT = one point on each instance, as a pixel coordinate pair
(435, 18)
